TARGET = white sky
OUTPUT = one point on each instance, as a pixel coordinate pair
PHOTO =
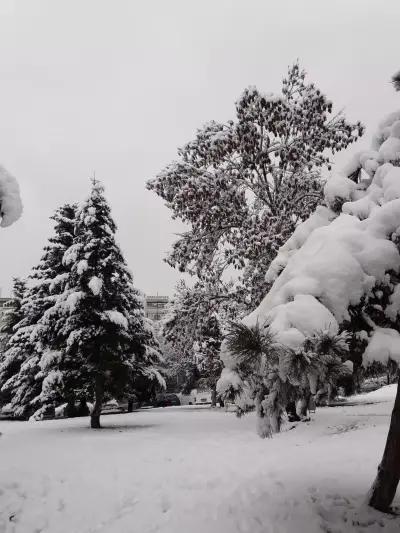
(115, 86)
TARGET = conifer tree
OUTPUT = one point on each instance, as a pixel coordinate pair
(20, 373)
(96, 340)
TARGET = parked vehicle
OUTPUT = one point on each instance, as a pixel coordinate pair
(186, 399)
(47, 414)
(115, 406)
(166, 400)
(61, 411)
(202, 397)
(112, 406)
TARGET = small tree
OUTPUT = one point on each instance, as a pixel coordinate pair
(271, 377)
(95, 337)
(193, 329)
(243, 186)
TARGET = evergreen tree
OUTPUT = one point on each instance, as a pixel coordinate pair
(20, 373)
(243, 186)
(95, 336)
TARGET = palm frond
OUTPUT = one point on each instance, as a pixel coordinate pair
(249, 343)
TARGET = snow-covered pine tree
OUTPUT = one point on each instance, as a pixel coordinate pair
(20, 373)
(243, 186)
(96, 338)
(340, 267)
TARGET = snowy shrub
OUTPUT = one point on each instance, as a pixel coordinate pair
(338, 271)
(10, 201)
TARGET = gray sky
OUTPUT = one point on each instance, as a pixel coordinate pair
(115, 86)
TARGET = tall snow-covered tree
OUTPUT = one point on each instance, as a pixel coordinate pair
(20, 373)
(243, 186)
(95, 335)
(340, 267)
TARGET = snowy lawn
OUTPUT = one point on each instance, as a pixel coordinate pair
(194, 470)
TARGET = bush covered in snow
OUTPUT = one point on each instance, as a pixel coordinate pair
(344, 257)
(10, 201)
(339, 270)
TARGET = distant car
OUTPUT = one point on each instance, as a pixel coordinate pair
(44, 414)
(61, 411)
(186, 399)
(202, 398)
(115, 406)
(166, 400)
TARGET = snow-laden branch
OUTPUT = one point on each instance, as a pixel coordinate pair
(10, 200)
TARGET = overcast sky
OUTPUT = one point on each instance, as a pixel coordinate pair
(115, 86)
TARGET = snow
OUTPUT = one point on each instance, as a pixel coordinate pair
(321, 217)
(383, 346)
(72, 300)
(391, 184)
(390, 149)
(227, 380)
(116, 318)
(338, 264)
(195, 469)
(81, 267)
(338, 187)
(303, 317)
(71, 254)
(393, 309)
(10, 201)
(95, 285)
(57, 281)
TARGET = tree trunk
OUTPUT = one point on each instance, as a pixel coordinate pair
(357, 377)
(130, 406)
(214, 395)
(291, 412)
(70, 409)
(99, 394)
(384, 488)
(302, 407)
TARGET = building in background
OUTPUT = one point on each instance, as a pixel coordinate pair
(155, 307)
(5, 305)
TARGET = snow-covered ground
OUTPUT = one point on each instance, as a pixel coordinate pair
(194, 470)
